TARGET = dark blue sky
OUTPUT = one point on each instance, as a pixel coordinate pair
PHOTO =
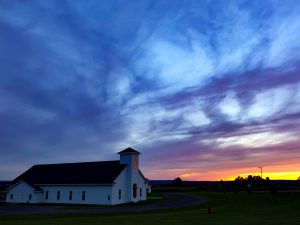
(204, 89)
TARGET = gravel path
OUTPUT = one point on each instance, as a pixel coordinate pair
(171, 200)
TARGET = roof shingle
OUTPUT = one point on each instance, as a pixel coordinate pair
(129, 151)
(104, 172)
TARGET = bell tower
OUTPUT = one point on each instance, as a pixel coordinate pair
(130, 157)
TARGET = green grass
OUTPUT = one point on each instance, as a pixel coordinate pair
(231, 209)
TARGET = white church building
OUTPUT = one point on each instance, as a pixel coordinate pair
(99, 183)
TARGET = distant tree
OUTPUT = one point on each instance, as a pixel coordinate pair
(250, 179)
(223, 186)
(239, 183)
(256, 178)
(298, 180)
(239, 179)
(268, 182)
(178, 182)
(249, 184)
(257, 181)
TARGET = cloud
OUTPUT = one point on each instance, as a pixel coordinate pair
(187, 82)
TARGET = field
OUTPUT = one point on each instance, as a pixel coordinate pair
(231, 209)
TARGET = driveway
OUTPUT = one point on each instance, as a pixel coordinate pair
(170, 200)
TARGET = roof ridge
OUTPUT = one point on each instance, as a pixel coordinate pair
(48, 164)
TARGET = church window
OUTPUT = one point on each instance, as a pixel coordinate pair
(47, 195)
(58, 195)
(70, 195)
(141, 192)
(108, 197)
(30, 197)
(83, 196)
(120, 194)
(11, 196)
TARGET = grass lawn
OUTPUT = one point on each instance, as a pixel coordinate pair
(231, 209)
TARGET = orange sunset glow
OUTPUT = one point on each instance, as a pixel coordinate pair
(274, 173)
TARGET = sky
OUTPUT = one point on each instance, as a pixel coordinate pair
(205, 90)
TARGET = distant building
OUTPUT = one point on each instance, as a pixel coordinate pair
(99, 183)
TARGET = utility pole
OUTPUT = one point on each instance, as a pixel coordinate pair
(261, 168)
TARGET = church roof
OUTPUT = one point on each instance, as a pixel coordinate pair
(104, 172)
(35, 187)
(129, 151)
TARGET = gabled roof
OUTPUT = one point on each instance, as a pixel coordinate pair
(146, 179)
(129, 151)
(104, 172)
(35, 187)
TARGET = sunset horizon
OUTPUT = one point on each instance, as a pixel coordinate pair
(273, 173)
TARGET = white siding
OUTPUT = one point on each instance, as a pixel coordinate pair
(127, 196)
(121, 184)
(143, 187)
(93, 194)
(21, 193)
(97, 195)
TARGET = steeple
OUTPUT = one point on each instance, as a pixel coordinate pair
(129, 151)
(130, 157)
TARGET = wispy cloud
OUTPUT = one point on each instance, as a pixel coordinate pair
(195, 87)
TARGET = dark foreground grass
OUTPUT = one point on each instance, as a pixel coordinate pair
(229, 209)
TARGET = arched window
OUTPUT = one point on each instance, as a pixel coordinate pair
(70, 195)
(83, 196)
(134, 190)
(30, 197)
(120, 194)
(47, 195)
(141, 192)
(58, 195)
